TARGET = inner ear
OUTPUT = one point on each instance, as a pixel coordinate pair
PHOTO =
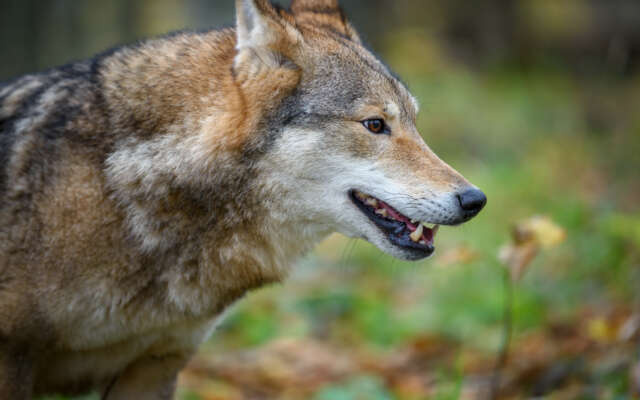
(256, 24)
(264, 37)
(248, 21)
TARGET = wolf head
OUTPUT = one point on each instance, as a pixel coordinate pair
(346, 153)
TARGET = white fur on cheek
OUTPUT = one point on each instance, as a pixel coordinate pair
(316, 186)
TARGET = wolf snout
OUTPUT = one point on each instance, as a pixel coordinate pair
(471, 201)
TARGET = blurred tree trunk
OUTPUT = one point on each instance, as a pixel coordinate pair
(587, 36)
(128, 13)
(18, 47)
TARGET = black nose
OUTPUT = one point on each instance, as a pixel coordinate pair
(472, 201)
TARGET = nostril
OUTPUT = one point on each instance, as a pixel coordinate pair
(472, 200)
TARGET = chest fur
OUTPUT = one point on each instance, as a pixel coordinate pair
(153, 264)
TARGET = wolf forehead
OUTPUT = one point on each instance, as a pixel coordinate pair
(339, 74)
(343, 82)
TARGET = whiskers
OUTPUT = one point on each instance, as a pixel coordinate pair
(347, 252)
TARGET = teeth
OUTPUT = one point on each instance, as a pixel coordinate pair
(433, 227)
(417, 234)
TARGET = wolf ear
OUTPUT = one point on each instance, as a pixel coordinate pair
(254, 27)
(262, 33)
(325, 14)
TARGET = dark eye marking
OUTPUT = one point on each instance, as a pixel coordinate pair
(377, 126)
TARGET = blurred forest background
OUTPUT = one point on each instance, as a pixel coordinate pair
(535, 101)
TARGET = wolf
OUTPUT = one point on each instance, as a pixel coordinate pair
(144, 191)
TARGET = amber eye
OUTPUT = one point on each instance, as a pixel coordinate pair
(376, 126)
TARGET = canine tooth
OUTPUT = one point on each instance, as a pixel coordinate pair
(372, 202)
(383, 212)
(413, 221)
(417, 234)
(422, 242)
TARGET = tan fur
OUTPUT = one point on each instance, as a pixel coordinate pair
(144, 191)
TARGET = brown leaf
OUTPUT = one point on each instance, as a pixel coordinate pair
(543, 231)
(528, 238)
(517, 257)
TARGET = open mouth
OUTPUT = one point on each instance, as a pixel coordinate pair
(415, 236)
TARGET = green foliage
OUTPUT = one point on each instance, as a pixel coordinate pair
(358, 388)
(623, 226)
(191, 396)
(253, 326)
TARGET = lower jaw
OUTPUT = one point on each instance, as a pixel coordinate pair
(406, 245)
(401, 241)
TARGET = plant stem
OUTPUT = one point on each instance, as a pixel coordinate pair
(507, 333)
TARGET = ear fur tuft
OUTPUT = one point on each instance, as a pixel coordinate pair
(298, 5)
(325, 14)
